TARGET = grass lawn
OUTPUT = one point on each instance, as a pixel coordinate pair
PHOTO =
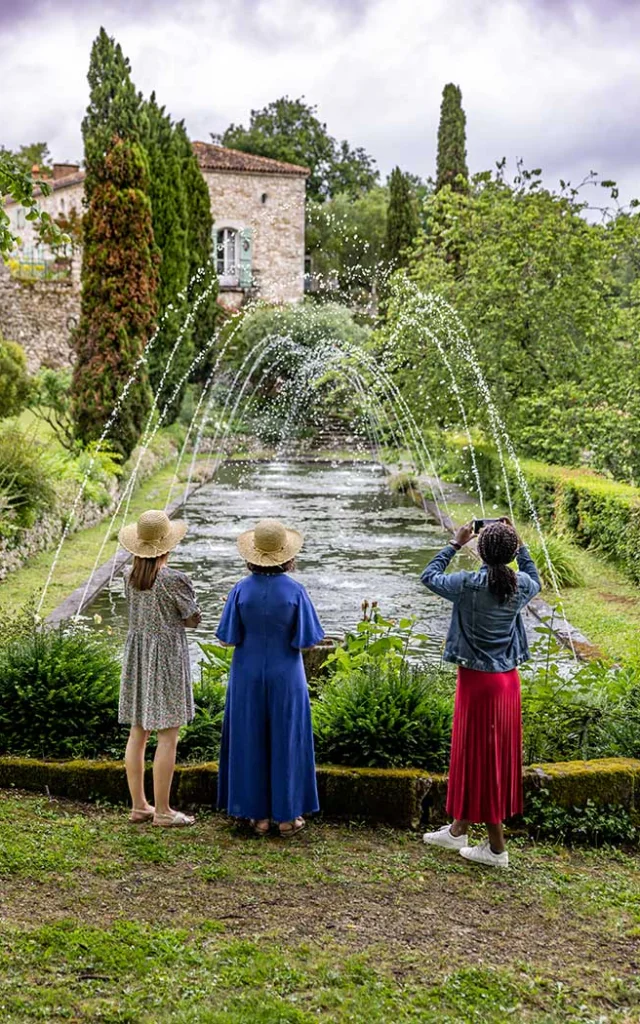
(103, 921)
(79, 552)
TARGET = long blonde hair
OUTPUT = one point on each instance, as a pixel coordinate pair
(144, 572)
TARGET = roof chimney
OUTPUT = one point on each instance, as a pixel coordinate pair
(64, 170)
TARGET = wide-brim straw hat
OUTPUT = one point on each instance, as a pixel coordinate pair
(269, 543)
(153, 535)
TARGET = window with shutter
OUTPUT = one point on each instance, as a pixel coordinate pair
(227, 263)
(245, 276)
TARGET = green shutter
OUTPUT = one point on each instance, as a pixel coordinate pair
(245, 272)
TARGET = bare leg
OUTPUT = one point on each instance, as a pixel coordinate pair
(496, 838)
(134, 763)
(459, 827)
(163, 767)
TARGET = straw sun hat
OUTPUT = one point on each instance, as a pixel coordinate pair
(270, 543)
(153, 535)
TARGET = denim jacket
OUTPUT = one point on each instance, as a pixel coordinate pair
(484, 634)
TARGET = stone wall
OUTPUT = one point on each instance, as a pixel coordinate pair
(40, 316)
(273, 206)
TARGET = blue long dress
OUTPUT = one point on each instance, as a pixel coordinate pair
(267, 763)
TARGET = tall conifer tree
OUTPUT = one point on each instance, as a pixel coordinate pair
(452, 144)
(119, 283)
(114, 106)
(402, 218)
(201, 250)
(170, 228)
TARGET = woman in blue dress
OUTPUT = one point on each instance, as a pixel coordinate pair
(267, 764)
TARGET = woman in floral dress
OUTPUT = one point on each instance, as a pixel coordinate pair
(155, 693)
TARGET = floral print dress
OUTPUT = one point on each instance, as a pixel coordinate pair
(155, 690)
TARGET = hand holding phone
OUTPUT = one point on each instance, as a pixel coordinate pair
(479, 524)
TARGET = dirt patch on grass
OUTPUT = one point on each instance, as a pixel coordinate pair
(620, 599)
(358, 888)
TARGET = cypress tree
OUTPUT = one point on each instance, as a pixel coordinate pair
(402, 218)
(201, 250)
(452, 146)
(119, 282)
(169, 209)
(114, 106)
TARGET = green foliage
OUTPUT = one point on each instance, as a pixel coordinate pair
(58, 695)
(51, 402)
(17, 184)
(382, 716)
(402, 219)
(377, 709)
(168, 197)
(33, 154)
(451, 166)
(593, 713)
(563, 570)
(15, 387)
(119, 284)
(216, 664)
(200, 739)
(279, 393)
(113, 111)
(25, 486)
(592, 824)
(289, 130)
(585, 423)
(403, 482)
(95, 468)
(202, 290)
(345, 238)
(590, 510)
(535, 291)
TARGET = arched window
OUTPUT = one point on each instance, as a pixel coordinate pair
(227, 256)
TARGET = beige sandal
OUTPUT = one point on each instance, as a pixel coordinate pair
(176, 819)
(292, 828)
(140, 817)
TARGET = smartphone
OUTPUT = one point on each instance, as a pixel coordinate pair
(479, 524)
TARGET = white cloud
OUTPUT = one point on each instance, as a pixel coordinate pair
(559, 91)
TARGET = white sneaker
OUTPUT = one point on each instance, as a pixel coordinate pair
(483, 854)
(444, 838)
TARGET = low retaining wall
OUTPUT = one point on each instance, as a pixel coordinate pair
(402, 798)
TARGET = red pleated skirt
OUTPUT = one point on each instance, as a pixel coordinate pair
(485, 772)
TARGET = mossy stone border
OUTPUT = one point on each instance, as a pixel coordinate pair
(397, 797)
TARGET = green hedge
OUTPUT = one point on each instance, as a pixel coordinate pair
(593, 511)
(397, 797)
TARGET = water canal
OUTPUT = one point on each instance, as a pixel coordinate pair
(361, 542)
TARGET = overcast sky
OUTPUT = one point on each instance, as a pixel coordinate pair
(556, 83)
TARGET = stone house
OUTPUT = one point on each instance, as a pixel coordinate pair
(258, 206)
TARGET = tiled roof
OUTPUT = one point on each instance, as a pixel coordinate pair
(211, 158)
(56, 184)
(219, 158)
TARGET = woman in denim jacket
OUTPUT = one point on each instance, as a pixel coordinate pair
(487, 641)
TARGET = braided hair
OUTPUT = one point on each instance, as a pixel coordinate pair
(498, 544)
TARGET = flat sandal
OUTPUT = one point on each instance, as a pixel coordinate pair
(140, 817)
(174, 820)
(292, 829)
